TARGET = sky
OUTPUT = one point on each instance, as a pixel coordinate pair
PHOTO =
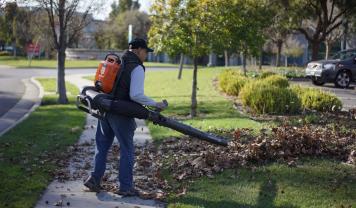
(145, 6)
(105, 10)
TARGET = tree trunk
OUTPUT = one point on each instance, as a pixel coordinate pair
(61, 87)
(193, 109)
(286, 61)
(315, 50)
(61, 49)
(226, 54)
(260, 60)
(327, 49)
(279, 49)
(181, 65)
(344, 35)
(47, 53)
(14, 49)
(243, 54)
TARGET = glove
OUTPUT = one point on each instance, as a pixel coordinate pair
(162, 105)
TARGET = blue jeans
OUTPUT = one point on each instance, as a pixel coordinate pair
(123, 128)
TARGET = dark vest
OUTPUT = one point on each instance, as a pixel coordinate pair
(130, 62)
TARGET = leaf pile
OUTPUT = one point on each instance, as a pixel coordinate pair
(188, 158)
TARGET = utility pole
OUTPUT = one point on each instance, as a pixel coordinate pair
(130, 33)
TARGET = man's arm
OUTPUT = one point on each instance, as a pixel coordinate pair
(137, 88)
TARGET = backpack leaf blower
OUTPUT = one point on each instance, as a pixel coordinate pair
(94, 101)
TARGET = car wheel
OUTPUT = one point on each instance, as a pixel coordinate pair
(318, 81)
(343, 79)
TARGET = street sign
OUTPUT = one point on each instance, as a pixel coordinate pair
(33, 49)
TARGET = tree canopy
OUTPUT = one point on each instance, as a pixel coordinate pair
(122, 6)
(316, 19)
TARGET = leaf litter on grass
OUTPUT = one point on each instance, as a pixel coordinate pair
(187, 158)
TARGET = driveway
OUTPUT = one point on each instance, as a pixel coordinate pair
(347, 96)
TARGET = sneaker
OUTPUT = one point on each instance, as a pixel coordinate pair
(92, 184)
(130, 192)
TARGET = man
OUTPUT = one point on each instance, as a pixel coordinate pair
(130, 87)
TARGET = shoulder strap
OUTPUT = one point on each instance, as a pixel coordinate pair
(118, 76)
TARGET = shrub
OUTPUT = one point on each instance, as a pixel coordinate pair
(235, 85)
(266, 74)
(315, 99)
(224, 78)
(231, 82)
(277, 80)
(294, 74)
(262, 98)
(5, 53)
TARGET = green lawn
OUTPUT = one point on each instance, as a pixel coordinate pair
(23, 62)
(31, 151)
(215, 111)
(315, 183)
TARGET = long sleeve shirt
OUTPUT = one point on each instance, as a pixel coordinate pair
(137, 87)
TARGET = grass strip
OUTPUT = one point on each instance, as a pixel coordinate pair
(31, 152)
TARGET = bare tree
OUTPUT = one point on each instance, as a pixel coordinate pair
(316, 19)
(2, 4)
(292, 48)
(63, 15)
(330, 39)
(277, 33)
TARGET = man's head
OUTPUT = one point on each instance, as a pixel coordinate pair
(139, 47)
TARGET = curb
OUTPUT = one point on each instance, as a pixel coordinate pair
(39, 86)
(7, 115)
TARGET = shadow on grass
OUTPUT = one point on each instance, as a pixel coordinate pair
(204, 107)
(266, 196)
(321, 182)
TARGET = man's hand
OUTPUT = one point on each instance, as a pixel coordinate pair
(162, 105)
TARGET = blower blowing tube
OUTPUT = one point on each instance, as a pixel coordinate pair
(96, 103)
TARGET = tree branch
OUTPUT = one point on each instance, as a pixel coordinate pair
(78, 28)
(49, 8)
(305, 33)
(70, 11)
(332, 28)
(332, 11)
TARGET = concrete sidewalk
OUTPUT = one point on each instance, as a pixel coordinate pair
(71, 191)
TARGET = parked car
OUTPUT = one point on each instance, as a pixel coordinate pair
(341, 69)
(9, 49)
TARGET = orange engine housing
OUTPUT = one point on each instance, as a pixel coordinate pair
(105, 76)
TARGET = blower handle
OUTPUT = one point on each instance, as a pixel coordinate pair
(165, 102)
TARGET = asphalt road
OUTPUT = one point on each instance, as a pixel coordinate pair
(11, 90)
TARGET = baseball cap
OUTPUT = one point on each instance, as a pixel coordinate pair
(139, 43)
